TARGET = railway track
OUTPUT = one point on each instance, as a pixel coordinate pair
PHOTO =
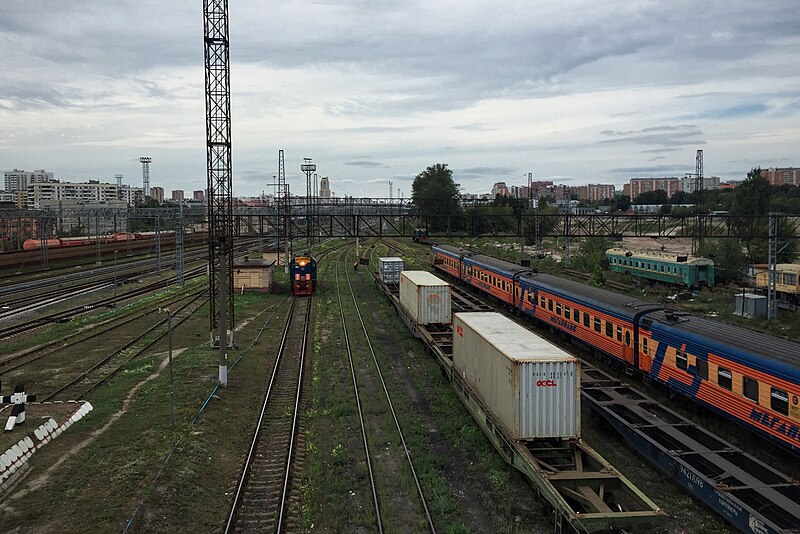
(104, 369)
(26, 357)
(391, 409)
(262, 494)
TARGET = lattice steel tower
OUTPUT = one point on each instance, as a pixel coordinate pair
(220, 178)
(145, 161)
(308, 168)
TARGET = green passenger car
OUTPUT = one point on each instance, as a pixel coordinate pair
(681, 270)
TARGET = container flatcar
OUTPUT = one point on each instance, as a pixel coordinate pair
(303, 275)
(675, 269)
(749, 377)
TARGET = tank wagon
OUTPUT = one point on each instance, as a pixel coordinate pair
(675, 269)
(303, 275)
(749, 377)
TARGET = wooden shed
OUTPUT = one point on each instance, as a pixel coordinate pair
(253, 275)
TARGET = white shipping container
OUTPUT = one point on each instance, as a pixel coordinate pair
(529, 384)
(389, 269)
(425, 297)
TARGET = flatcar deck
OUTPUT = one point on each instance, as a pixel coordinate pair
(749, 494)
(567, 473)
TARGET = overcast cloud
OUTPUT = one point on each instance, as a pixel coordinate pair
(373, 90)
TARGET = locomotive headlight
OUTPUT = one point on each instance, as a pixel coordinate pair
(301, 263)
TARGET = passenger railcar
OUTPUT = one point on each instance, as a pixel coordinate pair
(303, 275)
(676, 269)
(787, 282)
(747, 376)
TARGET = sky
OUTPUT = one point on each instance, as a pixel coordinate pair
(572, 91)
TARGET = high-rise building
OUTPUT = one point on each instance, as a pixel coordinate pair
(499, 188)
(91, 191)
(18, 180)
(644, 185)
(689, 183)
(199, 195)
(324, 188)
(777, 176)
(157, 194)
(177, 195)
(600, 192)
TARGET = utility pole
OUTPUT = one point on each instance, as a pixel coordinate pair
(773, 260)
(390, 191)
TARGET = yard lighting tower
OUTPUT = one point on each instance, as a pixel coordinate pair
(308, 168)
(145, 161)
(220, 177)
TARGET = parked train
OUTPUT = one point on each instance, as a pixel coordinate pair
(62, 242)
(747, 376)
(420, 235)
(303, 275)
(787, 284)
(676, 269)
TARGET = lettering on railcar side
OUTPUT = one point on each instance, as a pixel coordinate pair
(776, 423)
(563, 323)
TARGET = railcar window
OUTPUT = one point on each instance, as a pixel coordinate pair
(576, 315)
(567, 312)
(596, 324)
(644, 345)
(550, 304)
(609, 329)
(790, 279)
(558, 308)
(619, 333)
(627, 338)
(779, 401)
(725, 378)
(681, 361)
(586, 320)
(543, 302)
(702, 368)
(750, 388)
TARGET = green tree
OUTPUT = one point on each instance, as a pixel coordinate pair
(435, 195)
(752, 197)
(592, 253)
(622, 202)
(751, 200)
(728, 257)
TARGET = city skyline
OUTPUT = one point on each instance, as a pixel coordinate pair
(574, 93)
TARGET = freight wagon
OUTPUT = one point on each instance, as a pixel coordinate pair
(675, 269)
(493, 365)
(749, 377)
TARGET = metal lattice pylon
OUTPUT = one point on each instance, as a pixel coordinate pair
(220, 178)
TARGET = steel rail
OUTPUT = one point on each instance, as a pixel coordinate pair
(112, 324)
(238, 497)
(421, 494)
(86, 374)
(378, 518)
(295, 419)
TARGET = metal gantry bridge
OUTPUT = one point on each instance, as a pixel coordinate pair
(365, 218)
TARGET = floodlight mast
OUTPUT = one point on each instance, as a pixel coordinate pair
(220, 182)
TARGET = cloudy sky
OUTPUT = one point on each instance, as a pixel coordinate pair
(374, 90)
